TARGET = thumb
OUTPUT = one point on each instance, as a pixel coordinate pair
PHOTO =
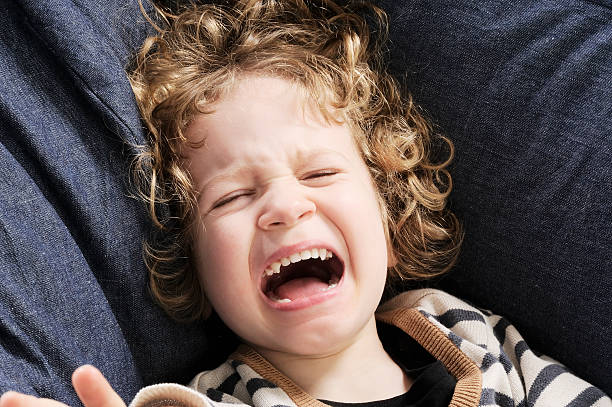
(93, 389)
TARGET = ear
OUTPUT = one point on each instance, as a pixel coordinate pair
(391, 258)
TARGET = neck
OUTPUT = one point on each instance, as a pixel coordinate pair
(357, 372)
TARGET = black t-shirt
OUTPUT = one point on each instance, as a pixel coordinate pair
(432, 385)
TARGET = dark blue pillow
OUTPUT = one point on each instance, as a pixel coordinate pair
(524, 90)
(73, 286)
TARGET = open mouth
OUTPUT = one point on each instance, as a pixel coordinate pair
(302, 275)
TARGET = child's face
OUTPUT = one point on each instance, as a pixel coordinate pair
(276, 180)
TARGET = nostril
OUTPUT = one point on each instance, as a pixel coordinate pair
(285, 212)
(305, 214)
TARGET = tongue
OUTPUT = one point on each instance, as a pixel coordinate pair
(300, 288)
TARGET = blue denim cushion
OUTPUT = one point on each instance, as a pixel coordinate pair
(524, 90)
(73, 285)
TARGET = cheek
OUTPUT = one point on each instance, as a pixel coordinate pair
(357, 213)
(215, 253)
(223, 270)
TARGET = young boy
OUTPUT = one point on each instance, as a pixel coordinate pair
(291, 186)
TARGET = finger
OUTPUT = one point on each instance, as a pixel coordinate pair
(14, 399)
(93, 389)
(10, 399)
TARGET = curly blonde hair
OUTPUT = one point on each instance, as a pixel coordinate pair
(201, 50)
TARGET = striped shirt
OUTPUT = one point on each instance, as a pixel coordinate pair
(490, 360)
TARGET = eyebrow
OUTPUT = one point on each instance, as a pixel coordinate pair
(227, 175)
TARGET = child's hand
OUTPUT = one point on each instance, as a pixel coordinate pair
(91, 387)
(14, 399)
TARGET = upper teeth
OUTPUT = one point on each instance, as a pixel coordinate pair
(275, 267)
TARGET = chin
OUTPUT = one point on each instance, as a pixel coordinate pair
(321, 337)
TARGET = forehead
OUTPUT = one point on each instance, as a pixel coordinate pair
(257, 121)
(268, 99)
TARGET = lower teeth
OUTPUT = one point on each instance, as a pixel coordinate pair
(280, 300)
(330, 286)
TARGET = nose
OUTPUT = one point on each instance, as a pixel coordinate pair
(285, 206)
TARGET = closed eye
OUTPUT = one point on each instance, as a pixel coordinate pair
(319, 178)
(230, 198)
(320, 174)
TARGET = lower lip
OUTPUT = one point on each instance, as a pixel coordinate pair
(306, 302)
